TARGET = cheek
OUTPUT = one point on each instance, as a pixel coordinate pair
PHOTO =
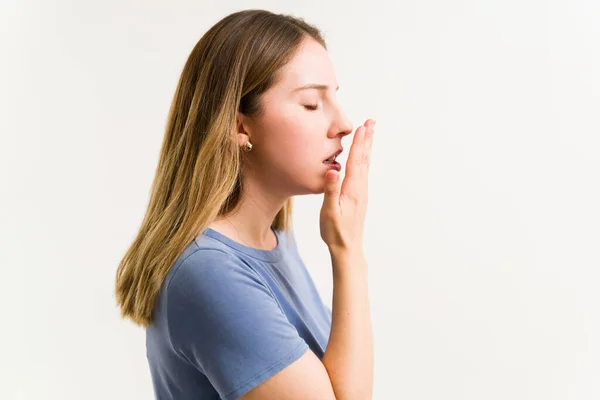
(293, 160)
(293, 144)
(291, 155)
(302, 147)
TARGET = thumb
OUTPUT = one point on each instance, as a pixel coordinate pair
(332, 189)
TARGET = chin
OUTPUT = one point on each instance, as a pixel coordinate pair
(312, 184)
(316, 186)
(309, 190)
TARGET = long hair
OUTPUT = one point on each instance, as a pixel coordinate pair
(198, 176)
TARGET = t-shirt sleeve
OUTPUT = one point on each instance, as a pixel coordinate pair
(225, 321)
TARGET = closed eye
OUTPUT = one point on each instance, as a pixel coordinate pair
(312, 107)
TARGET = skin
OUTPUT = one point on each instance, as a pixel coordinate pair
(290, 142)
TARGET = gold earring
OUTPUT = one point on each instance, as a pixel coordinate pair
(247, 146)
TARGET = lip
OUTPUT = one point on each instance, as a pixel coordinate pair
(336, 153)
(334, 165)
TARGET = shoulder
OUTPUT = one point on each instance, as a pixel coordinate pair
(203, 266)
(210, 287)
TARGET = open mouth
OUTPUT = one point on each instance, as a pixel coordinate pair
(332, 158)
(332, 163)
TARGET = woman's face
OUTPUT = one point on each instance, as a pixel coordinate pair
(299, 128)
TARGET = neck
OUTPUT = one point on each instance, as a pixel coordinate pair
(250, 222)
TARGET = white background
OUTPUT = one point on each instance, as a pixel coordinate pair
(483, 229)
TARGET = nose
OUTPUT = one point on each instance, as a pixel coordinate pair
(342, 125)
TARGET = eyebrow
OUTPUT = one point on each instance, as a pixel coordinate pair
(314, 86)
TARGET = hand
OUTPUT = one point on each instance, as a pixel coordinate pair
(344, 206)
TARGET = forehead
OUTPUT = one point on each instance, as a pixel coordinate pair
(311, 64)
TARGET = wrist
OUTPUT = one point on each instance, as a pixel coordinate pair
(353, 251)
(343, 256)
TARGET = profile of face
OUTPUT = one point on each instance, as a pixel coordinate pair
(299, 128)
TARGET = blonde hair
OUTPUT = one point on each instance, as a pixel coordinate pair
(198, 176)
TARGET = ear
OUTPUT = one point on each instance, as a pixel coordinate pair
(241, 126)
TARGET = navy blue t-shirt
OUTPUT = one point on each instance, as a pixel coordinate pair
(229, 316)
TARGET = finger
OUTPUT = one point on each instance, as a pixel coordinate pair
(332, 190)
(357, 166)
(367, 146)
(369, 137)
(366, 159)
(354, 157)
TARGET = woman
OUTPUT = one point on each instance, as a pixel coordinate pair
(214, 274)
